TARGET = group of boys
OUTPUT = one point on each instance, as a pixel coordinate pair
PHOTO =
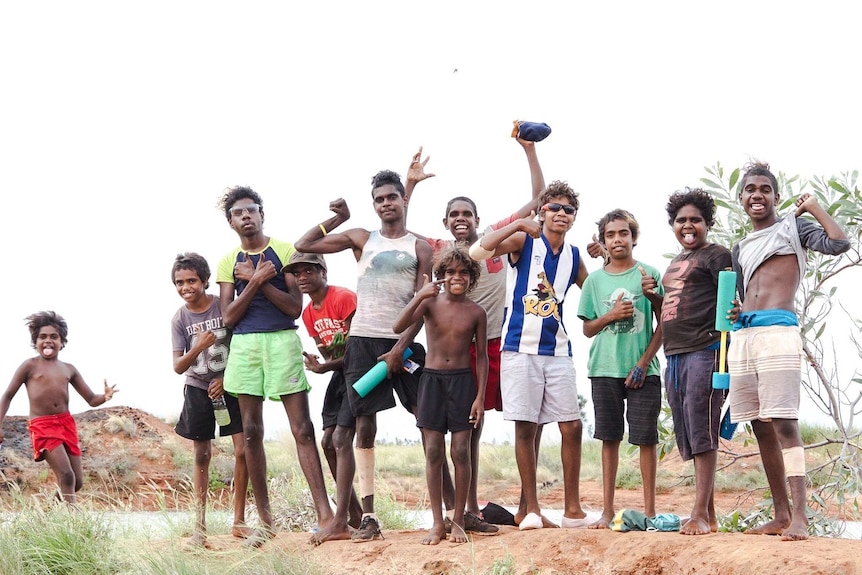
(492, 344)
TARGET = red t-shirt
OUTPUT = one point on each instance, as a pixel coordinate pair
(338, 305)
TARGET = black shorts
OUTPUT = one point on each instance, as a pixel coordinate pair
(197, 421)
(336, 407)
(612, 401)
(694, 404)
(360, 355)
(445, 399)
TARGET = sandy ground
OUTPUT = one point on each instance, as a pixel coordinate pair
(543, 551)
(575, 551)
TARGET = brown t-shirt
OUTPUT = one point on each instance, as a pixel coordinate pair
(690, 291)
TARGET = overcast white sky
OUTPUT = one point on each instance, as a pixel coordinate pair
(121, 123)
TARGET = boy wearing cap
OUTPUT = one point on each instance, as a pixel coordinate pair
(327, 318)
(260, 305)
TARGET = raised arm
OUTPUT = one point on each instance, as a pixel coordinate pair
(415, 174)
(537, 178)
(808, 203)
(319, 240)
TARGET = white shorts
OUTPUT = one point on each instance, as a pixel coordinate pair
(538, 388)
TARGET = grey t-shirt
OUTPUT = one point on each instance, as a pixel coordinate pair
(210, 364)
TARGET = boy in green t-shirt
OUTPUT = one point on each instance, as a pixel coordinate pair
(623, 367)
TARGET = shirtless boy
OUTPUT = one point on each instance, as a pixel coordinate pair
(52, 428)
(449, 398)
(765, 354)
(461, 219)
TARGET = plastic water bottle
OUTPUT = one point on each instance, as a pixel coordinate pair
(222, 416)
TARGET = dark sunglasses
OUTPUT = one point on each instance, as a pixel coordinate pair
(555, 207)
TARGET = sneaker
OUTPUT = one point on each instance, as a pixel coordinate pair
(369, 530)
(474, 524)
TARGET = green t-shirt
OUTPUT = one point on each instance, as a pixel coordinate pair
(618, 347)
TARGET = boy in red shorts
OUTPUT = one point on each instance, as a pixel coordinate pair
(47, 380)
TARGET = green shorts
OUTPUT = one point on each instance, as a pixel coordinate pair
(265, 364)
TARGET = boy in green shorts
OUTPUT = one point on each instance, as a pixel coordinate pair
(259, 303)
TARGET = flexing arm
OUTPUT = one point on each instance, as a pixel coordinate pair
(808, 203)
(319, 240)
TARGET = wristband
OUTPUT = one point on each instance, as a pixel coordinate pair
(478, 253)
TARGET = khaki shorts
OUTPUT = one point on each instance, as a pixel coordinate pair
(765, 365)
(267, 364)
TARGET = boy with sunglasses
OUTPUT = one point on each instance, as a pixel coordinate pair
(260, 303)
(537, 374)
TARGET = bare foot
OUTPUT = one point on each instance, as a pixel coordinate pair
(241, 531)
(603, 522)
(796, 532)
(436, 534)
(774, 527)
(334, 531)
(695, 526)
(458, 535)
(198, 541)
(258, 537)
